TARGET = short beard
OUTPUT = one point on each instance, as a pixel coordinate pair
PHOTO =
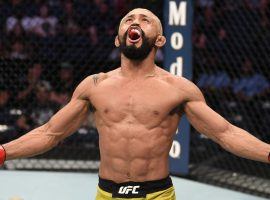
(137, 53)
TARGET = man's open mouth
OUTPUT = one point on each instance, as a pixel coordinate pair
(134, 34)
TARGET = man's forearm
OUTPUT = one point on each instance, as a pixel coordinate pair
(33, 143)
(243, 144)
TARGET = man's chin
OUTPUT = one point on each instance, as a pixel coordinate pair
(135, 45)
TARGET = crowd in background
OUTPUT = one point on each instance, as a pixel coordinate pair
(231, 40)
(62, 29)
(52, 44)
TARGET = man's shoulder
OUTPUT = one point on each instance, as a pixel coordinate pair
(88, 84)
(181, 84)
(96, 79)
(176, 81)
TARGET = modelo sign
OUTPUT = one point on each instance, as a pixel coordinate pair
(178, 60)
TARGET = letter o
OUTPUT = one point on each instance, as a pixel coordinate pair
(177, 41)
(175, 149)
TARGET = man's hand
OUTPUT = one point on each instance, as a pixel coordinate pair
(230, 137)
(61, 125)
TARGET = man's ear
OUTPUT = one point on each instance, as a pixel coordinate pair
(160, 41)
(116, 41)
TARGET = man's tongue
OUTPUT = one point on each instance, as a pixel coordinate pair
(134, 35)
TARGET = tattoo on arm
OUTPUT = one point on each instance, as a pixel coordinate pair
(95, 79)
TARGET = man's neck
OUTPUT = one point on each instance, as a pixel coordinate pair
(137, 69)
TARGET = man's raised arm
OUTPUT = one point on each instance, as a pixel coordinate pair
(230, 137)
(62, 124)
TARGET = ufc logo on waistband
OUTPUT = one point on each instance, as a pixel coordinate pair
(129, 189)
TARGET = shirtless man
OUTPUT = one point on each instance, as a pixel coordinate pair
(137, 108)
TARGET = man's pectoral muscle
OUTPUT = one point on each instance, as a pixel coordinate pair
(214, 126)
(60, 126)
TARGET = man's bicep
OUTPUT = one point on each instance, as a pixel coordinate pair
(68, 119)
(205, 120)
(71, 116)
(202, 117)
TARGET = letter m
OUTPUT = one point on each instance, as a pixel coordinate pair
(177, 16)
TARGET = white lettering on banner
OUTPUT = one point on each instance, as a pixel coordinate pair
(178, 16)
(175, 149)
(122, 190)
(178, 53)
(127, 189)
(177, 41)
(176, 68)
(134, 189)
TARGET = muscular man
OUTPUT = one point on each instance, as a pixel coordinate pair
(137, 108)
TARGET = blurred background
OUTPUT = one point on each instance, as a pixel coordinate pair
(48, 46)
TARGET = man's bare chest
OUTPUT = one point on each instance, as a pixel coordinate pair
(142, 101)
